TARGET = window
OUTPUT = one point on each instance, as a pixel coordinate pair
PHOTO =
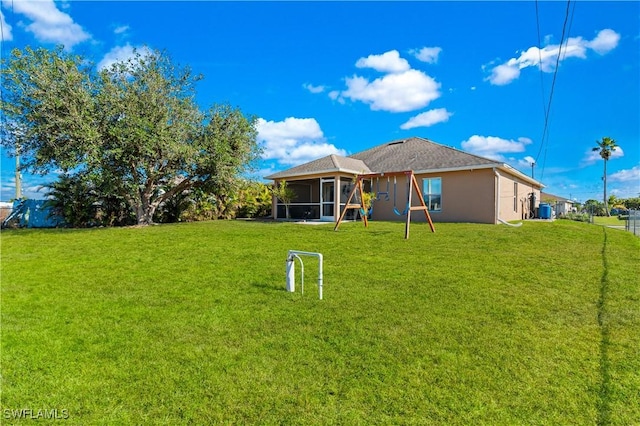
(432, 193)
(515, 196)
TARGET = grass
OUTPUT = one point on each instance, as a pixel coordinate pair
(190, 324)
(612, 220)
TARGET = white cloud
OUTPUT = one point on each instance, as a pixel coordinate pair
(121, 29)
(605, 41)
(121, 54)
(625, 183)
(31, 186)
(400, 89)
(389, 62)
(546, 58)
(503, 74)
(6, 35)
(631, 175)
(313, 89)
(493, 147)
(49, 24)
(591, 157)
(293, 141)
(525, 163)
(400, 92)
(427, 119)
(427, 54)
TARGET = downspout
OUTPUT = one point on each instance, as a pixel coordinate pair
(497, 188)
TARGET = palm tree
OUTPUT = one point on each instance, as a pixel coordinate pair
(606, 146)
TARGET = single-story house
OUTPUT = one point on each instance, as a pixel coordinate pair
(560, 205)
(456, 186)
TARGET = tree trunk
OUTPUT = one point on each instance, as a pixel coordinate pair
(145, 209)
(606, 206)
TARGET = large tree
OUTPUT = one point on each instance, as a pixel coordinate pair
(606, 146)
(134, 128)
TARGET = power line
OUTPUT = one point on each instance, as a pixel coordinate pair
(544, 107)
(543, 142)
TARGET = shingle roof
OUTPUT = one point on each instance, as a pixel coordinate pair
(419, 154)
(330, 163)
(415, 154)
(546, 195)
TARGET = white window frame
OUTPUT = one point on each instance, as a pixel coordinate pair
(427, 194)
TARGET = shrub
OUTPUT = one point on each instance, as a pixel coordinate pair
(579, 217)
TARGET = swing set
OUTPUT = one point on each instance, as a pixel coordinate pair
(412, 184)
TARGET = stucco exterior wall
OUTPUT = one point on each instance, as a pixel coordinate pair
(514, 200)
(467, 196)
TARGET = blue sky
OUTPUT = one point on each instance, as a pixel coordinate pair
(342, 77)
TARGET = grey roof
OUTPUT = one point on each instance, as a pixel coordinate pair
(330, 163)
(417, 154)
(554, 197)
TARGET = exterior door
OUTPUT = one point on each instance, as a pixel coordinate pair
(327, 199)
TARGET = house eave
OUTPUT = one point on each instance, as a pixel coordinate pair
(276, 176)
(521, 175)
(501, 166)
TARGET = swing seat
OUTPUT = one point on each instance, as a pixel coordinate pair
(396, 211)
(379, 196)
(362, 213)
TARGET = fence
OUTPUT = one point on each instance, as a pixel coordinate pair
(633, 222)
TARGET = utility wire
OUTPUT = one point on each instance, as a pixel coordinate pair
(543, 142)
(544, 106)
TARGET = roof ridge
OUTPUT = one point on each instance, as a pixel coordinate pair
(334, 160)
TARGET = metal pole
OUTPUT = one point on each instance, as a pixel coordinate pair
(18, 177)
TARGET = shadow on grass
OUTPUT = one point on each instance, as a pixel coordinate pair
(604, 406)
(269, 288)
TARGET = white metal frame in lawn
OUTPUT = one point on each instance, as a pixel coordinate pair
(291, 270)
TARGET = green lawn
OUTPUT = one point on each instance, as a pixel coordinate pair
(611, 220)
(191, 324)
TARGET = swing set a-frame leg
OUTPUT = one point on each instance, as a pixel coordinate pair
(413, 185)
(349, 206)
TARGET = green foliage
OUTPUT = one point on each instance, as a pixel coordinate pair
(172, 209)
(595, 208)
(284, 193)
(134, 128)
(49, 108)
(201, 206)
(605, 147)
(82, 202)
(244, 198)
(367, 201)
(579, 217)
(254, 199)
(632, 203)
(190, 324)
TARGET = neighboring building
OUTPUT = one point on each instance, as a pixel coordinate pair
(5, 210)
(559, 205)
(457, 186)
